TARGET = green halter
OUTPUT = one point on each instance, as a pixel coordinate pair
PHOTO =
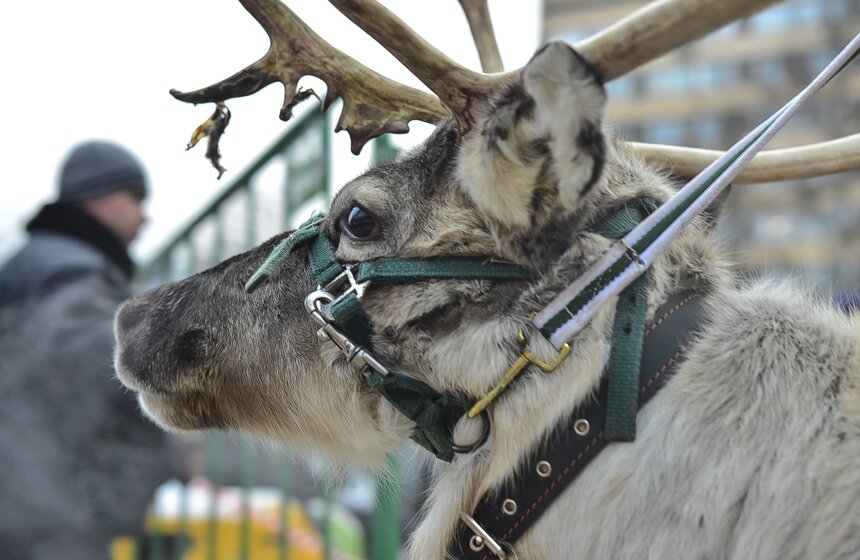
(343, 320)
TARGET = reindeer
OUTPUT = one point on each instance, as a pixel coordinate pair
(751, 448)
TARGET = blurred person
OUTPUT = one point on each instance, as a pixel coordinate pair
(79, 461)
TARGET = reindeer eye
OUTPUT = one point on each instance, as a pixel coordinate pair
(359, 224)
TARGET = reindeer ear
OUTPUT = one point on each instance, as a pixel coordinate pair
(540, 144)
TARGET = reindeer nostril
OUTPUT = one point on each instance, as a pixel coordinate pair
(191, 346)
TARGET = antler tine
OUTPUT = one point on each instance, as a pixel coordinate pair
(372, 104)
(802, 162)
(478, 16)
(658, 28)
(461, 90)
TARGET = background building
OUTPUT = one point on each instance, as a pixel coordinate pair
(710, 93)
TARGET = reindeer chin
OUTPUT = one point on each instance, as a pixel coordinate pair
(181, 413)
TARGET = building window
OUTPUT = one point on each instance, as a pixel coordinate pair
(664, 133)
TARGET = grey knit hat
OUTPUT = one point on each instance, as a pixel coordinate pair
(96, 168)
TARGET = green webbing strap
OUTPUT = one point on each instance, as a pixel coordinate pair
(324, 264)
(620, 223)
(628, 331)
(614, 226)
(434, 414)
(399, 271)
(349, 315)
(308, 230)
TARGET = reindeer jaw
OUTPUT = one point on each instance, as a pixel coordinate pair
(181, 413)
(171, 408)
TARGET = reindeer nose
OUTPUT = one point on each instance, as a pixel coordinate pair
(128, 317)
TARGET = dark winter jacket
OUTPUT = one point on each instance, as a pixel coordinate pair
(79, 461)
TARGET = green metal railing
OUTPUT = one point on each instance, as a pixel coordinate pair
(302, 155)
(274, 193)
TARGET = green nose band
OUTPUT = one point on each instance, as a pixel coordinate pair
(307, 231)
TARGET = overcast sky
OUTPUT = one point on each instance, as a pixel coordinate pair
(103, 68)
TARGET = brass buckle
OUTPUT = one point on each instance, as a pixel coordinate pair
(525, 358)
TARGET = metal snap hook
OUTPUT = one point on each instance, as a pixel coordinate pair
(315, 300)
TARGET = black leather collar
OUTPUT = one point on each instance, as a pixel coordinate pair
(508, 512)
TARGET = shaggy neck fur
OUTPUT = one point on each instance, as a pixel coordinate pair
(472, 357)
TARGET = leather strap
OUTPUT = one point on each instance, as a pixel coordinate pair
(507, 513)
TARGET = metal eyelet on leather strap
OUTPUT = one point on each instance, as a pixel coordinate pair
(485, 433)
(581, 427)
(544, 469)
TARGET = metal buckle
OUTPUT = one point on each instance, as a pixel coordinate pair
(347, 279)
(632, 254)
(526, 358)
(482, 537)
(361, 359)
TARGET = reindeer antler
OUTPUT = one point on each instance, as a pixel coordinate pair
(372, 104)
(658, 28)
(802, 162)
(478, 16)
(461, 90)
(646, 34)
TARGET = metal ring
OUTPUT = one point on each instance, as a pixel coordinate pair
(485, 417)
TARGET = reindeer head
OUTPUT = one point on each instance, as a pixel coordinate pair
(520, 172)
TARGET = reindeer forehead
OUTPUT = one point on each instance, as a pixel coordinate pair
(406, 184)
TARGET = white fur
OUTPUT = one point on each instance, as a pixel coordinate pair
(737, 458)
(498, 182)
(557, 92)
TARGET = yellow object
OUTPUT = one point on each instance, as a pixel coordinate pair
(523, 360)
(211, 522)
(264, 530)
(123, 548)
